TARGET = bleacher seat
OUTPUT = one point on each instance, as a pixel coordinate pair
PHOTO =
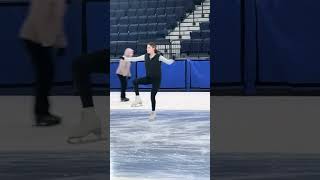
(133, 28)
(131, 12)
(160, 11)
(133, 22)
(123, 28)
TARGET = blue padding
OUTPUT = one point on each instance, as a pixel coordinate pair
(226, 42)
(15, 67)
(173, 76)
(200, 74)
(114, 80)
(289, 41)
(98, 25)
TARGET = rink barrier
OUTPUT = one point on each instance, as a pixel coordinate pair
(184, 74)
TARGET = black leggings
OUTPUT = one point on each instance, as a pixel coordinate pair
(123, 81)
(83, 66)
(42, 61)
(155, 87)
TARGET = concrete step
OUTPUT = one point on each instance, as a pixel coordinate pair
(194, 28)
(176, 33)
(200, 12)
(177, 37)
(204, 7)
(197, 16)
(196, 20)
(189, 24)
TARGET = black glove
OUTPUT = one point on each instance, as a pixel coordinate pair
(61, 52)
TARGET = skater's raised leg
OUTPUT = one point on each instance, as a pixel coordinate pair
(82, 68)
(136, 82)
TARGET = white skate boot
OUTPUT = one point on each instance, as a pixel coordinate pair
(89, 125)
(137, 102)
(152, 116)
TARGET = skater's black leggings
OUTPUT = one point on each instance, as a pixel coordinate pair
(123, 81)
(155, 87)
(42, 60)
(83, 66)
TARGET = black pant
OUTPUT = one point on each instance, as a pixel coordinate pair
(83, 66)
(42, 60)
(123, 81)
(155, 87)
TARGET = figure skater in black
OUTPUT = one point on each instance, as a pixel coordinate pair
(153, 60)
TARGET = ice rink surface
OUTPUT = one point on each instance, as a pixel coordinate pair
(174, 147)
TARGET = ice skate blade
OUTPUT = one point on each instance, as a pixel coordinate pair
(79, 141)
(136, 105)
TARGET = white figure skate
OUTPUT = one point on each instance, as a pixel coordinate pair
(152, 116)
(89, 129)
(137, 102)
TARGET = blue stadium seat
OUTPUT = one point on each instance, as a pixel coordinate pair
(133, 28)
(205, 26)
(180, 11)
(161, 33)
(152, 27)
(195, 35)
(161, 26)
(162, 4)
(113, 20)
(141, 12)
(133, 36)
(124, 20)
(142, 27)
(152, 4)
(141, 49)
(123, 28)
(162, 19)
(134, 4)
(142, 35)
(205, 34)
(152, 35)
(185, 46)
(113, 29)
(196, 45)
(171, 3)
(171, 21)
(152, 19)
(114, 6)
(120, 13)
(151, 12)
(160, 11)
(124, 5)
(123, 36)
(133, 20)
(206, 45)
(114, 37)
(142, 19)
(170, 10)
(131, 12)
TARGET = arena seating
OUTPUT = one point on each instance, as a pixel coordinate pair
(199, 42)
(134, 21)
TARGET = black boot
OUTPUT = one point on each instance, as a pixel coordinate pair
(124, 99)
(47, 120)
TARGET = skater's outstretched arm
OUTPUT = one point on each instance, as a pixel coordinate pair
(165, 60)
(135, 59)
